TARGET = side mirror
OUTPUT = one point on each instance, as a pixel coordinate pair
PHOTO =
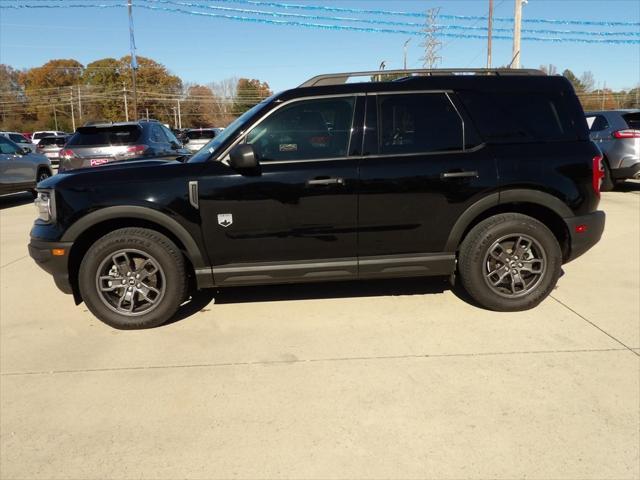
(243, 157)
(25, 151)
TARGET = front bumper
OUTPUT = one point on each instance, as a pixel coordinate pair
(592, 227)
(56, 265)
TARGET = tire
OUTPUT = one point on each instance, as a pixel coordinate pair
(478, 258)
(111, 290)
(607, 181)
(42, 174)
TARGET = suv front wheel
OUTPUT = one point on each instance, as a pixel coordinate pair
(509, 262)
(133, 278)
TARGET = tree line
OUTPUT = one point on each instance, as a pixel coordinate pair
(64, 92)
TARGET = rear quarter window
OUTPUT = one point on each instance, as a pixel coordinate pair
(519, 117)
(633, 120)
(117, 135)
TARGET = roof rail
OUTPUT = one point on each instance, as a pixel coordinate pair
(339, 78)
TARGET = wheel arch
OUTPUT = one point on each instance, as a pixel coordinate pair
(542, 206)
(85, 231)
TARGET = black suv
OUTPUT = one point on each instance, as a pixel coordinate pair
(489, 174)
(97, 144)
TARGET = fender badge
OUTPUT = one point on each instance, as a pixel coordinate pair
(225, 219)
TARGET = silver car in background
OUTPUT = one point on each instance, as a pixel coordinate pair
(20, 139)
(21, 169)
(617, 134)
(196, 138)
(50, 147)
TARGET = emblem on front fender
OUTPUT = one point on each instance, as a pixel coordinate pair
(225, 219)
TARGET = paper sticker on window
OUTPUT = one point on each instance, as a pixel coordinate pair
(320, 141)
(288, 147)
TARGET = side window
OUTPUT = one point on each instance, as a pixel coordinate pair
(598, 123)
(157, 135)
(7, 147)
(17, 138)
(308, 129)
(417, 123)
(170, 136)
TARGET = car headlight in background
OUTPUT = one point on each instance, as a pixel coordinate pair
(45, 205)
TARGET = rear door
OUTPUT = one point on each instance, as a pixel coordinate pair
(422, 167)
(296, 218)
(16, 169)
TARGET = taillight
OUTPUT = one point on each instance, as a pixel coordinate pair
(628, 133)
(597, 173)
(66, 153)
(136, 150)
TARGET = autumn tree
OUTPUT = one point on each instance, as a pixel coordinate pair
(200, 107)
(104, 83)
(12, 98)
(250, 92)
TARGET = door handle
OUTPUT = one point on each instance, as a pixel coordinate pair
(469, 174)
(325, 181)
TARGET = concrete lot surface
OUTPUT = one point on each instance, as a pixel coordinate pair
(392, 379)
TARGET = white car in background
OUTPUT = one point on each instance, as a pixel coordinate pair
(20, 139)
(37, 136)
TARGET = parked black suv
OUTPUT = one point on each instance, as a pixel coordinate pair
(488, 174)
(97, 144)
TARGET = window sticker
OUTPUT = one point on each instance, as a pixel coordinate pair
(288, 147)
(590, 121)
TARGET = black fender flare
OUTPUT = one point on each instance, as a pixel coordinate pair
(142, 213)
(516, 195)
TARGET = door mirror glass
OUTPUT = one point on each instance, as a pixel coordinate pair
(243, 157)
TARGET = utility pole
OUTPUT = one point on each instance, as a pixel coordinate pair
(405, 53)
(517, 26)
(175, 117)
(134, 62)
(147, 110)
(126, 107)
(73, 117)
(489, 33)
(179, 116)
(79, 104)
(604, 85)
(55, 117)
(431, 43)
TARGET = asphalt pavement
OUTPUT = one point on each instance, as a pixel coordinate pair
(385, 379)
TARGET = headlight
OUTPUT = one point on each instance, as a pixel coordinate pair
(44, 204)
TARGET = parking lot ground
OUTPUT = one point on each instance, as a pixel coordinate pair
(384, 379)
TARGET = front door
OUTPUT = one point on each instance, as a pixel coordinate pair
(296, 218)
(418, 174)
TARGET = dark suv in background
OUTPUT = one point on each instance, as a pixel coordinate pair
(98, 144)
(488, 175)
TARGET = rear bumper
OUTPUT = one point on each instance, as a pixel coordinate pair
(593, 227)
(58, 266)
(628, 172)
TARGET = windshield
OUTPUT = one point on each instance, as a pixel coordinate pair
(235, 126)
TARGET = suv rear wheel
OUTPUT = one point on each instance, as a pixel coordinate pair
(133, 278)
(509, 262)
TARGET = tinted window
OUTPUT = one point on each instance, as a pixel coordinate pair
(201, 134)
(18, 138)
(305, 130)
(58, 141)
(597, 123)
(633, 120)
(117, 135)
(7, 147)
(415, 123)
(39, 135)
(527, 116)
(157, 135)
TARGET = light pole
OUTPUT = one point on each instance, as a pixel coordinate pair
(517, 26)
(134, 62)
(405, 52)
(489, 33)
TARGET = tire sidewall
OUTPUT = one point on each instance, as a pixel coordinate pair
(473, 257)
(164, 254)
